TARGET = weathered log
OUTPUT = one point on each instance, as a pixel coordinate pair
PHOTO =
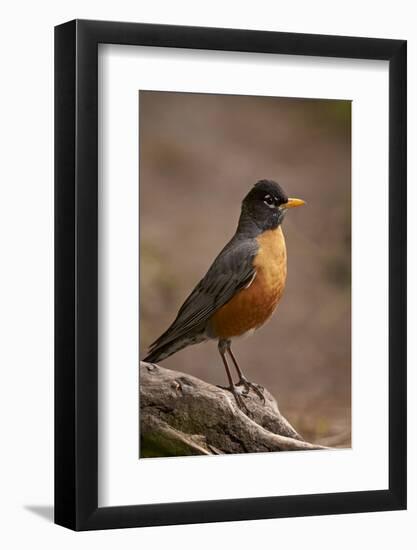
(182, 415)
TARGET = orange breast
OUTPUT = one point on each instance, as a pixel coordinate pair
(251, 307)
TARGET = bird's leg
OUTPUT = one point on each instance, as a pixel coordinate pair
(223, 344)
(243, 381)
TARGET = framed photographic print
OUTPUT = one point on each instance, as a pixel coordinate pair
(230, 252)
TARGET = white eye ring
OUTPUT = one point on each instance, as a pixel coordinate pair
(269, 201)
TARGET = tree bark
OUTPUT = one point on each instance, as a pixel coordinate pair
(182, 415)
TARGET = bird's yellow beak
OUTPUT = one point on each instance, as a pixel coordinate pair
(292, 203)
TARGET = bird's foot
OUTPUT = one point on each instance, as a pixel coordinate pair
(239, 400)
(237, 394)
(259, 390)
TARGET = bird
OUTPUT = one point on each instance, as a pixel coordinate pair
(241, 289)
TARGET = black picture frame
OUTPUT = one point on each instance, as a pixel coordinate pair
(76, 272)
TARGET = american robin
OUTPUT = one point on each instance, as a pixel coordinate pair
(241, 289)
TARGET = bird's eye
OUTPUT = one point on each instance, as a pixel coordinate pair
(269, 201)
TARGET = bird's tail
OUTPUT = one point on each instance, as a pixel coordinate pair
(159, 352)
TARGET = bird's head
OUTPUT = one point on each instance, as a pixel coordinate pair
(266, 204)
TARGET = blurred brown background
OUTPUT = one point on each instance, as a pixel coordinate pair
(199, 156)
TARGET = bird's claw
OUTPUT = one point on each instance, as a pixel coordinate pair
(259, 390)
(239, 400)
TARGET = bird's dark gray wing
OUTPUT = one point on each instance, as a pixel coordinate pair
(231, 271)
